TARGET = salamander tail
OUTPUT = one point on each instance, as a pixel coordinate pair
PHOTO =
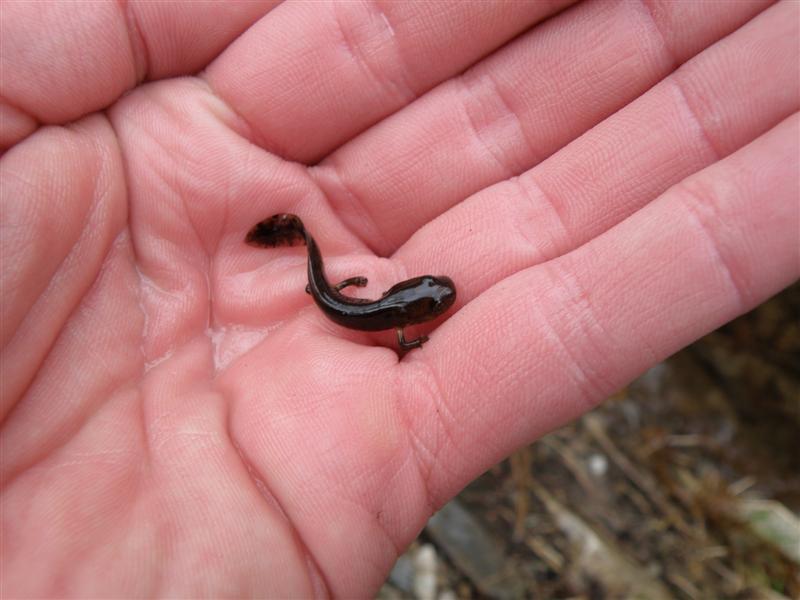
(277, 230)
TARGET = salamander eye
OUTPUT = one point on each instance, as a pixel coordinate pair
(428, 304)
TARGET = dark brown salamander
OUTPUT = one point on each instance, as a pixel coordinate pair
(413, 301)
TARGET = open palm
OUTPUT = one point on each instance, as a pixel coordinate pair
(180, 419)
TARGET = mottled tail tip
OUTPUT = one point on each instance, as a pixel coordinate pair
(278, 230)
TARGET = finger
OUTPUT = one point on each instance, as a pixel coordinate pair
(69, 59)
(547, 343)
(511, 111)
(61, 207)
(312, 75)
(614, 169)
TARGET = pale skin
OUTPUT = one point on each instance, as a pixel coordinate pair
(180, 420)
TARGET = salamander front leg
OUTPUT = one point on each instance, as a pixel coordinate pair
(408, 345)
(356, 281)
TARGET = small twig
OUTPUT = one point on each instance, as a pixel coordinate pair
(641, 480)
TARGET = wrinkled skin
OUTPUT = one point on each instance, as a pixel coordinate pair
(178, 417)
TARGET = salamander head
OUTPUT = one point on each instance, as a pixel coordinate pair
(426, 297)
(443, 292)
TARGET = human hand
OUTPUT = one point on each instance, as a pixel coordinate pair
(179, 419)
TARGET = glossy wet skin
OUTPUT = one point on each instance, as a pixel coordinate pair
(409, 302)
(413, 301)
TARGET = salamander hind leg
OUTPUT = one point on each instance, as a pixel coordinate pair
(356, 281)
(409, 344)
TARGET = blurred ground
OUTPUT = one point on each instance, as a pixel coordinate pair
(684, 485)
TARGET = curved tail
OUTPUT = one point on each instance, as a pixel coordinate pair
(278, 230)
